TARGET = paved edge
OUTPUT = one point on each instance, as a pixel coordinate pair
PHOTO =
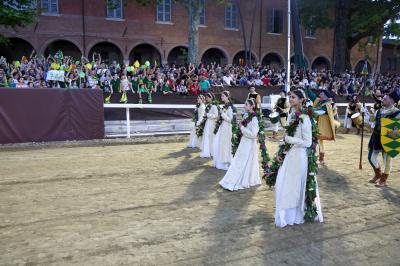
(93, 143)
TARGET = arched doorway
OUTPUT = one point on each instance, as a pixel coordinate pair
(239, 58)
(68, 48)
(145, 52)
(321, 63)
(178, 56)
(15, 49)
(273, 60)
(109, 52)
(214, 55)
(360, 65)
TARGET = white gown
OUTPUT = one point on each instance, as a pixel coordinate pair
(244, 170)
(208, 134)
(291, 180)
(223, 141)
(195, 141)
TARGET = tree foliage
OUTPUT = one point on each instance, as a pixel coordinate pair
(16, 13)
(366, 17)
(353, 21)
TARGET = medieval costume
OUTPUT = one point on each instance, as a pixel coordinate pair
(254, 95)
(290, 187)
(326, 119)
(244, 169)
(211, 116)
(194, 140)
(353, 107)
(282, 107)
(375, 144)
(223, 139)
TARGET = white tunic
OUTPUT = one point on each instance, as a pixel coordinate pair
(244, 169)
(223, 141)
(195, 141)
(208, 134)
(292, 176)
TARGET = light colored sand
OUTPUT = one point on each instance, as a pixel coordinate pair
(150, 204)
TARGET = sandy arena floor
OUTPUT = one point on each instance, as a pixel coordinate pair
(159, 204)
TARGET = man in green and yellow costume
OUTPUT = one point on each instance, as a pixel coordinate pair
(385, 138)
(327, 124)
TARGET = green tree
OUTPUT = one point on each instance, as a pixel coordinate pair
(16, 13)
(353, 21)
(193, 8)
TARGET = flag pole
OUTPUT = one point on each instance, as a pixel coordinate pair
(364, 72)
(287, 83)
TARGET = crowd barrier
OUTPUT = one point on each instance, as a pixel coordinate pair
(130, 108)
(36, 115)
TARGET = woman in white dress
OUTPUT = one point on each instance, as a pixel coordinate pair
(208, 133)
(291, 180)
(244, 169)
(223, 139)
(195, 141)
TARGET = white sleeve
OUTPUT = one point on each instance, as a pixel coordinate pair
(306, 135)
(251, 130)
(228, 115)
(213, 113)
(201, 112)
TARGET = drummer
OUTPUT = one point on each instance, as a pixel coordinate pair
(282, 108)
(353, 108)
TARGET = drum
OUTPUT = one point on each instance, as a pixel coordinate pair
(274, 117)
(357, 119)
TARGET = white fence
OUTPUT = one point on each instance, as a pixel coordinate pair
(127, 108)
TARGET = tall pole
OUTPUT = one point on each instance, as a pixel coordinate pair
(363, 91)
(288, 49)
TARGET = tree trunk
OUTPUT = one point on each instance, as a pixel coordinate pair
(193, 9)
(243, 31)
(252, 30)
(341, 48)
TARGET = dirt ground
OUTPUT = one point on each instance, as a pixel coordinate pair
(159, 204)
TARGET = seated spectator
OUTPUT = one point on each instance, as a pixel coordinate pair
(227, 80)
(181, 88)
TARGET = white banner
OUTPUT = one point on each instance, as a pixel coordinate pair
(55, 75)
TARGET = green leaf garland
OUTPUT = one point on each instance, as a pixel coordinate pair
(200, 127)
(311, 183)
(220, 119)
(237, 136)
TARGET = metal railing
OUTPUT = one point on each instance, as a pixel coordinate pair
(127, 108)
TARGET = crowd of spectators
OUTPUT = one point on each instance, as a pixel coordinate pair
(37, 72)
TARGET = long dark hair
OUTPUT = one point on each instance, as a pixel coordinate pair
(252, 103)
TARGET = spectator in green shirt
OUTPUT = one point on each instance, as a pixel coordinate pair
(204, 85)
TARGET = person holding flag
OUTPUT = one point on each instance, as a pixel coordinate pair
(385, 138)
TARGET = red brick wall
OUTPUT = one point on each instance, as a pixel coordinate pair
(140, 26)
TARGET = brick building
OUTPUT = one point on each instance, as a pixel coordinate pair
(390, 57)
(159, 33)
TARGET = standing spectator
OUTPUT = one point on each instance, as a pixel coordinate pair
(204, 84)
(194, 88)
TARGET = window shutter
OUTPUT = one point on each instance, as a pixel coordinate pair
(53, 8)
(270, 20)
(280, 27)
